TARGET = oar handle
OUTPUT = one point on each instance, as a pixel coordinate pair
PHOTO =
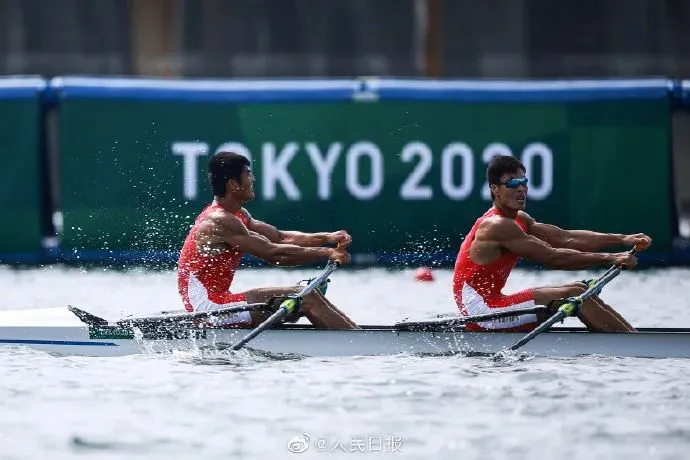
(632, 252)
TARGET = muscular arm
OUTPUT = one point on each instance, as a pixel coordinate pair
(509, 235)
(287, 237)
(232, 231)
(580, 240)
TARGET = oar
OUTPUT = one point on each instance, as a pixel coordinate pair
(188, 316)
(455, 320)
(289, 305)
(567, 309)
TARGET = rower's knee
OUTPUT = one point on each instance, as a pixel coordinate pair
(576, 289)
(311, 301)
(564, 293)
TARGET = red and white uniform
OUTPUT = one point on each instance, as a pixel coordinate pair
(204, 281)
(478, 288)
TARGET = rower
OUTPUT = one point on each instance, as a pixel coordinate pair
(505, 233)
(225, 230)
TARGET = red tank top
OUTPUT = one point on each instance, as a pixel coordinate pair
(488, 280)
(215, 272)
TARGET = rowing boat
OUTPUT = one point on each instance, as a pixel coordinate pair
(72, 331)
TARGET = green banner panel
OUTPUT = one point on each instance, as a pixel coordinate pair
(398, 164)
(20, 175)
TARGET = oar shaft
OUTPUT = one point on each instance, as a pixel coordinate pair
(316, 282)
(558, 316)
(608, 275)
(275, 317)
(288, 306)
(595, 288)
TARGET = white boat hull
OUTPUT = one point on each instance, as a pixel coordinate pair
(59, 331)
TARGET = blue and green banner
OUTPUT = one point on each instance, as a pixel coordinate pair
(398, 163)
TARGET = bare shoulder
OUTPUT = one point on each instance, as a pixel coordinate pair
(498, 228)
(246, 213)
(526, 218)
(224, 221)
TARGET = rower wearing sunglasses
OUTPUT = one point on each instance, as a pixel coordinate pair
(506, 233)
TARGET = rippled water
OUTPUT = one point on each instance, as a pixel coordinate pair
(222, 406)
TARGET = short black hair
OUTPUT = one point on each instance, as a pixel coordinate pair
(224, 166)
(500, 165)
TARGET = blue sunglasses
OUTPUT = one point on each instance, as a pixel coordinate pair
(515, 182)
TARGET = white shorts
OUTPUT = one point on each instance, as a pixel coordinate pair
(198, 298)
(474, 304)
(231, 319)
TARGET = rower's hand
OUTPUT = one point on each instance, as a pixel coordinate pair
(624, 259)
(639, 241)
(340, 238)
(339, 255)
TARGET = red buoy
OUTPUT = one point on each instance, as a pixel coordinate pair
(423, 274)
